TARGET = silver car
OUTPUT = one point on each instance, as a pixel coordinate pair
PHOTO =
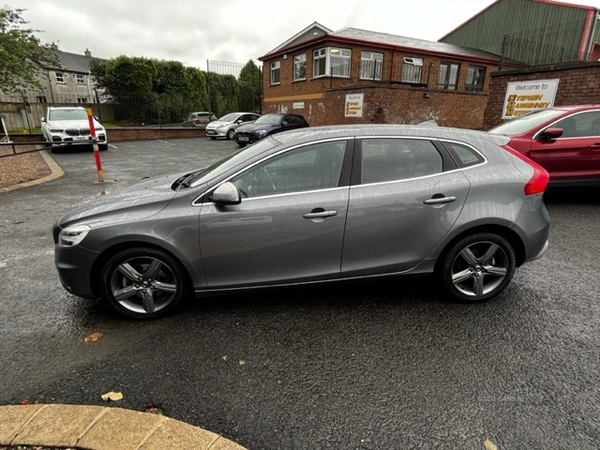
(314, 205)
(226, 125)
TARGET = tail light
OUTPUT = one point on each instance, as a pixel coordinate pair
(539, 181)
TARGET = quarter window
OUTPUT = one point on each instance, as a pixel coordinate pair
(475, 78)
(275, 72)
(412, 69)
(315, 166)
(371, 65)
(448, 76)
(300, 67)
(398, 159)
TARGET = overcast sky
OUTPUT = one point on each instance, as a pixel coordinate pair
(192, 31)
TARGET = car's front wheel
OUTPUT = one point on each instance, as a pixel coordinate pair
(231, 135)
(477, 267)
(144, 283)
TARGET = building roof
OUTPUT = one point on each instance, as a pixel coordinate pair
(73, 62)
(351, 35)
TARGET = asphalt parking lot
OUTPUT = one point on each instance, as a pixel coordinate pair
(362, 366)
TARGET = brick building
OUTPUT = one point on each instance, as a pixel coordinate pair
(578, 84)
(359, 76)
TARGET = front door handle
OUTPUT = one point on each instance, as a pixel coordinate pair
(439, 199)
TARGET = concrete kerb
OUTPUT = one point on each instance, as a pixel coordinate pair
(55, 172)
(101, 428)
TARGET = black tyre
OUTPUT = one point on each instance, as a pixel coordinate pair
(478, 267)
(231, 135)
(212, 137)
(144, 283)
(242, 144)
(102, 147)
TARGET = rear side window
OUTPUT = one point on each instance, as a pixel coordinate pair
(398, 159)
(463, 155)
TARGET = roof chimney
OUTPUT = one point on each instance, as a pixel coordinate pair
(53, 46)
(87, 53)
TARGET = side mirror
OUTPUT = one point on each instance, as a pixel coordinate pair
(551, 133)
(43, 119)
(226, 194)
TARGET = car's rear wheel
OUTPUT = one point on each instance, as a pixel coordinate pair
(230, 134)
(478, 267)
(144, 283)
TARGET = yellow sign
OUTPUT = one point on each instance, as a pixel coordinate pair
(523, 97)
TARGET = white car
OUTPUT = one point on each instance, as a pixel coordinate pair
(226, 125)
(68, 126)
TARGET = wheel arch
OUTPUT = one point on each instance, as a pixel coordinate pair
(510, 235)
(111, 251)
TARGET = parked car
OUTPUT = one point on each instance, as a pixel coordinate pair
(564, 140)
(267, 125)
(64, 127)
(199, 119)
(226, 125)
(314, 205)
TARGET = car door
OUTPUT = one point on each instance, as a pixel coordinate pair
(576, 154)
(403, 200)
(289, 225)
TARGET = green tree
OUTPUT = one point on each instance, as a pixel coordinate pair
(22, 56)
(250, 87)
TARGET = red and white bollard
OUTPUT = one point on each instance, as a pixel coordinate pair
(95, 144)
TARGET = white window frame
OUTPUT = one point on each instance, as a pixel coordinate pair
(371, 65)
(80, 78)
(412, 70)
(276, 72)
(335, 58)
(60, 77)
(300, 67)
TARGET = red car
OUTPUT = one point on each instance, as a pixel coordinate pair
(565, 140)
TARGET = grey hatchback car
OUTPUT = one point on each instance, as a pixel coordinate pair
(314, 205)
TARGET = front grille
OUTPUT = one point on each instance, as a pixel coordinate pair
(77, 131)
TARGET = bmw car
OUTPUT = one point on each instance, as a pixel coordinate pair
(316, 205)
(267, 125)
(64, 127)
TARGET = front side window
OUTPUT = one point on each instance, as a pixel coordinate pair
(371, 65)
(60, 77)
(585, 124)
(315, 166)
(300, 67)
(412, 69)
(448, 76)
(332, 61)
(398, 159)
(275, 72)
(475, 78)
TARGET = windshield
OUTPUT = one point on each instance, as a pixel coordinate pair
(229, 117)
(231, 161)
(269, 119)
(527, 122)
(68, 114)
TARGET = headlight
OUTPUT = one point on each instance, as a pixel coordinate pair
(71, 236)
(261, 133)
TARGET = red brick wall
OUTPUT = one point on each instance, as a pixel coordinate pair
(392, 104)
(579, 85)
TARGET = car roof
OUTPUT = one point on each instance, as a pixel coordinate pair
(389, 130)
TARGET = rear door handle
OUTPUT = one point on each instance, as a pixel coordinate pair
(439, 199)
(319, 213)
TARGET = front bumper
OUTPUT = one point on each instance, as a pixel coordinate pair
(74, 266)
